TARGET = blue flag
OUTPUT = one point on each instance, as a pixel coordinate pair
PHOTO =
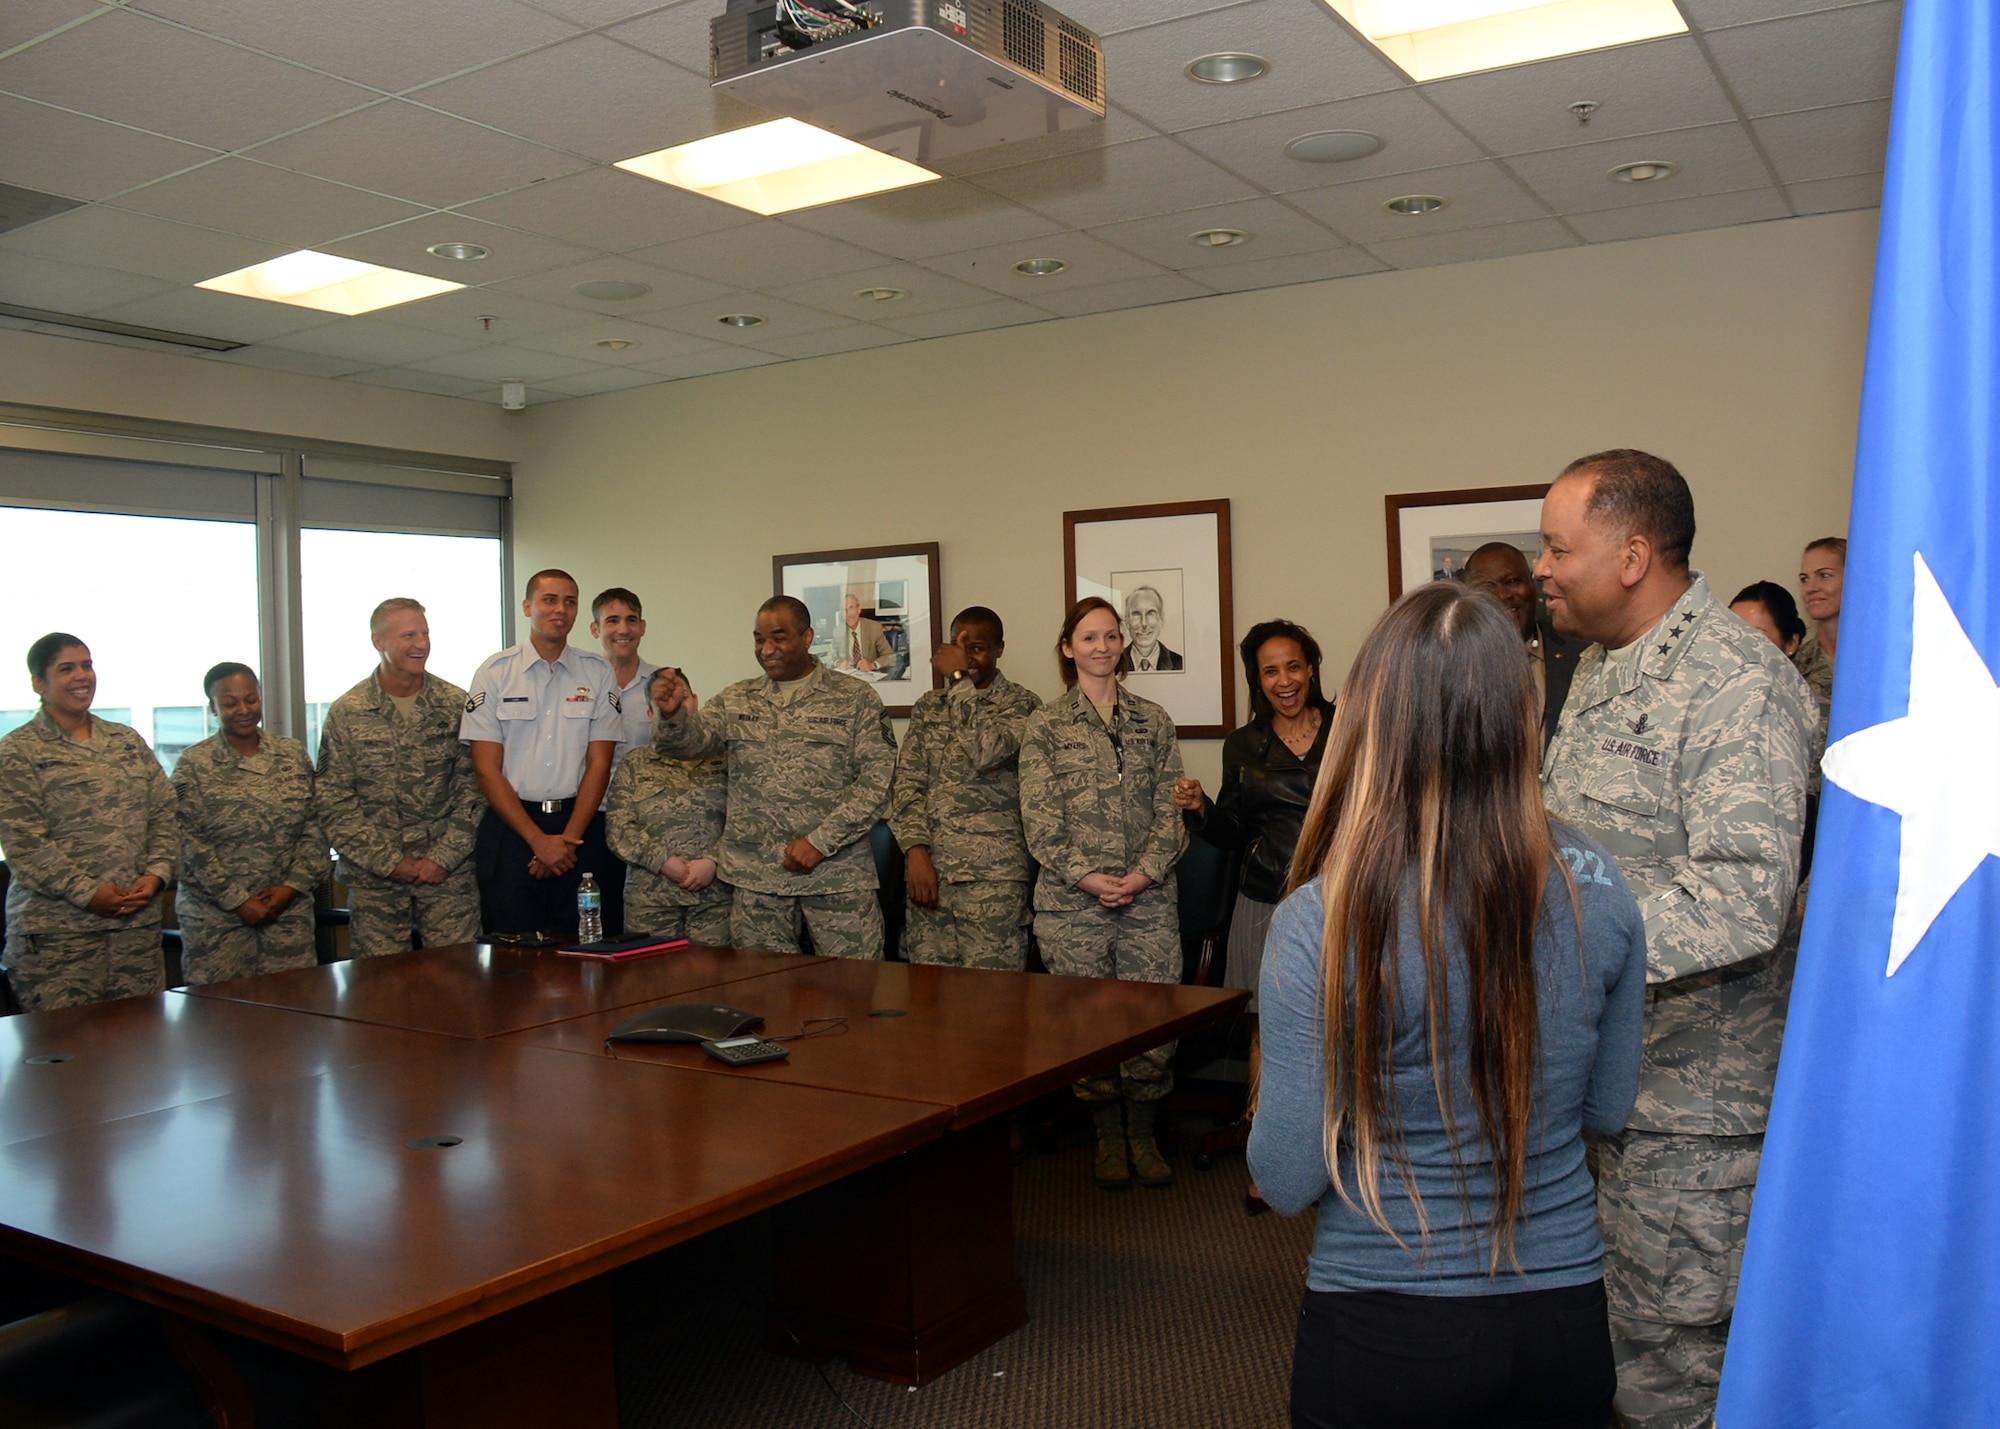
(1870, 1295)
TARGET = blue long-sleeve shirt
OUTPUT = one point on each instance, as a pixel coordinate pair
(1591, 1004)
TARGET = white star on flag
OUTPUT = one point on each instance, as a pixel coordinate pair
(1938, 766)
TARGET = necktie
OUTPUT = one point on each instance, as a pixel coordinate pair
(1145, 664)
(854, 647)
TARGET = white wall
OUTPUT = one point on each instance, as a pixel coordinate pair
(1735, 353)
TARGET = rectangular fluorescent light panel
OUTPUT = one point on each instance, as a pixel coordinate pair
(306, 279)
(1430, 39)
(777, 167)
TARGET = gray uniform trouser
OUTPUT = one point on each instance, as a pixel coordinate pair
(1137, 943)
(381, 913)
(844, 925)
(52, 970)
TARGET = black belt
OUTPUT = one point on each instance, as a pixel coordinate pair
(549, 806)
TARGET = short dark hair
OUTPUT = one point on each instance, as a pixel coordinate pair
(802, 618)
(980, 615)
(1778, 602)
(1070, 623)
(1496, 548)
(43, 652)
(551, 574)
(619, 594)
(1268, 630)
(1835, 544)
(222, 672)
(1640, 495)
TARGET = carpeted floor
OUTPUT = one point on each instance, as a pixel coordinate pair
(1148, 1310)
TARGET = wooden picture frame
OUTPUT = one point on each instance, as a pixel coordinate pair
(898, 590)
(1431, 531)
(1178, 550)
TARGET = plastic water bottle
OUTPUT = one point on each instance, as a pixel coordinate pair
(589, 911)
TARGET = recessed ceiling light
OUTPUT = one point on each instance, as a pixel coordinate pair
(740, 319)
(1645, 171)
(1429, 39)
(616, 344)
(1416, 205)
(463, 252)
(1335, 146)
(882, 295)
(1040, 267)
(777, 167)
(327, 284)
(610, 290)
(1219, 238)
(1230, 67)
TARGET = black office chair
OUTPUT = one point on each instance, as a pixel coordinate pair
(1208, 877)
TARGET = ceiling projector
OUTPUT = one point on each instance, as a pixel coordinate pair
(920, 79)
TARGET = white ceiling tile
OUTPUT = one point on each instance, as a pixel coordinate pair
(1090, 262)
(1108, 297)
(1827, 143)
(1415, 136)
(1106, 185)
(1717, 159)
(1270, 227)
(279, 359)
(1297, 268)
(1680, 215)
(602, 379)
(924, 292)
(1719, 14)
(133, 243)
(781, 319)
(916, 222)
(505, 364)
(855, 337)
(409, 379)
(1470, 244)
(416, 154)
(763, 253)
(224, 315)
(1107, 17)
(511, 252)
(259, 201)
(649, 343)
(1002, 312)
(669, 290)
(372, 341)
(460, 313)
(69, 287)
(1313, 57)
(592, 13)
(1117, 127)
(1476, 195)
(623, 102)
(134, 70)
(58, 152)
(1835, 57)
(24, 20)
(389, 44)
(1837, 195)
(1638, 89)
(677, 34)
(610, 210)
(724, 359)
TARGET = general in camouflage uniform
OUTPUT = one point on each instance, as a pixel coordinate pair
(958, 794)
(1098, 798)
(660, 809)
(811, 757)
(398, 799)
(247, 825)
(1684, 753)
(78, 816)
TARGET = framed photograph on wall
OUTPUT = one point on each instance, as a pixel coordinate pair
(1166, 569)
(877, 614)
(1432, 532)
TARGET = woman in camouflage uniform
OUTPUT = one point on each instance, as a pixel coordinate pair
(1097, 802)
(251, 849)
(663, 816)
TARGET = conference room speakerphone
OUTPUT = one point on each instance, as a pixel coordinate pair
(743, 1051)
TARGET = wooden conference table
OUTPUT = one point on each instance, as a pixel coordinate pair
(418, 1169)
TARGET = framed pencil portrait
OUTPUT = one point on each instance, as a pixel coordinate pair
(1432, 532)
(1165, 569)
(877, 614)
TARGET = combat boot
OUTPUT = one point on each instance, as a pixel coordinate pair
(1148, 1165)
(1109, 1169)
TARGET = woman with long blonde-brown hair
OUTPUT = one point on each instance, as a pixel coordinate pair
(1452, 995)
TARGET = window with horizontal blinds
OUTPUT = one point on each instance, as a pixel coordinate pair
(342, 494)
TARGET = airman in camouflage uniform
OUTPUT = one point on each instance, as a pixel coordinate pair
(398, 798)
(1815, 667)
(1683, 751)
(247, 825)
(956, 809)
(810, 757)
(88, 826)
(661, 811)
